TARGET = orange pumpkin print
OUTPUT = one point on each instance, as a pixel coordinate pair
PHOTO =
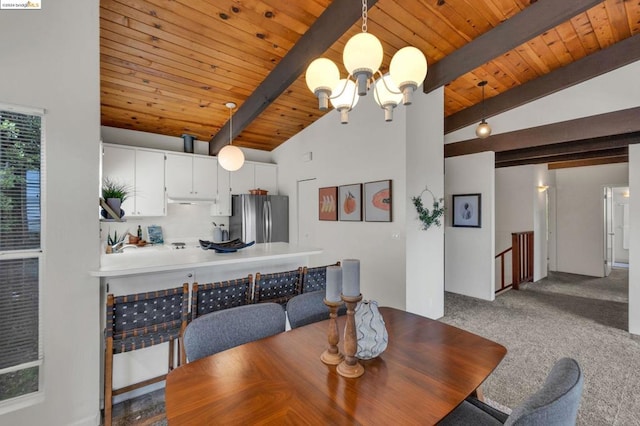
(382, 199)
(349, 205)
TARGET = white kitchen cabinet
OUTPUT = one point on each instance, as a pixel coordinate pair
(222, 206)
(143, 172)
(253, 176)
(191, 177)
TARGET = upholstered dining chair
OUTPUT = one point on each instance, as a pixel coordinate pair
(314, 279)
(222, 330)
(307, 308)
(555, 404)
(278, 287)
(139, 321)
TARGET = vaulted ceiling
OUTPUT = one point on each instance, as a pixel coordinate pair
(169, 66)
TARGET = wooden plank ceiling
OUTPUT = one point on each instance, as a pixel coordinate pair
(169, 66)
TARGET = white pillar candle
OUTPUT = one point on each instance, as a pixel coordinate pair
(334, 283)
(351, 277)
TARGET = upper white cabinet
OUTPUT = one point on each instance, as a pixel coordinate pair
(191, 177)
(253, 176)
(143, 172)
(222, 206)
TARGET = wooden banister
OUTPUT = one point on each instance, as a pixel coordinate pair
(521, 260)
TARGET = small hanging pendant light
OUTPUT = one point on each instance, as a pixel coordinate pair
(483, 130)
(230, 157)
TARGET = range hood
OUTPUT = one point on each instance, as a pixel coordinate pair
(183, 200)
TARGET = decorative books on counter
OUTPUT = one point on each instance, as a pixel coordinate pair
(225, 247)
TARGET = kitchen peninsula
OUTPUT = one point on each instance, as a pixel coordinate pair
(163, 258)
(143, 269)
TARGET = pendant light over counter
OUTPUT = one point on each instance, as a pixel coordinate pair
(362, 57)
(230, 157)
(483, 130)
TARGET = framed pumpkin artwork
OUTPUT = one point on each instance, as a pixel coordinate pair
(350, 202)
(377, 201)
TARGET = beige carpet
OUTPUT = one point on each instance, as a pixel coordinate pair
(563, 315)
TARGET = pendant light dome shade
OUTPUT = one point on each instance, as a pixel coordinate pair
(322, 76)
(483, 130)
(387, 95)
(345, 98)
(231, 158)
(408, 69)
(362, 57)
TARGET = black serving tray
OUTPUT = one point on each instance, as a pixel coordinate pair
(225, 247)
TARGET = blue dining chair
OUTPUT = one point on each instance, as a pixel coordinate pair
(308, 308)
(221, 330)
(555, 404)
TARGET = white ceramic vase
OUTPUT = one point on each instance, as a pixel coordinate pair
(370, 330)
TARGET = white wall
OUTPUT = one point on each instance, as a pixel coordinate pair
(469, 252)
(50, 60)
(580, 216)
(367, 149)
(602, 94)
(634, 239)
(540, 223)
(425, 167)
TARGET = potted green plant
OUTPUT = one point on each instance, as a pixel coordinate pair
(114, 193)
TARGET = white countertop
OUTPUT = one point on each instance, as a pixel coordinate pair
(143, 260)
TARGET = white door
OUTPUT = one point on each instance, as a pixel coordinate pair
(307, 214)
(608, 230)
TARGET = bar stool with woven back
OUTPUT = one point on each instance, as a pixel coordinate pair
(212, 297)
(139, 321)
(278, 287)
(315, 279)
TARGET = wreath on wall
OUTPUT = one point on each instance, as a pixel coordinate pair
(428, 217)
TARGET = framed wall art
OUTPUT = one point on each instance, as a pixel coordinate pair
(466, 210)
(377, 201)
(327, 203)
(350, 202)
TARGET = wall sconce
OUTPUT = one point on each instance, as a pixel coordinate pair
(542, 188)
(626, 194)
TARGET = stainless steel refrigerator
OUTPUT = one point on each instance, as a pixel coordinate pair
(259, 218)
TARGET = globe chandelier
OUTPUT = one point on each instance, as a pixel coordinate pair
(362, 57)
(230, 157)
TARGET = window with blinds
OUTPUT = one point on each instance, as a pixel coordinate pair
(21, 254)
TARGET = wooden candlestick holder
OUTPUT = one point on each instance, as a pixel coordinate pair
(332, 355)
(350, 367)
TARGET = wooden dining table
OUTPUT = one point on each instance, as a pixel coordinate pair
(427, 369)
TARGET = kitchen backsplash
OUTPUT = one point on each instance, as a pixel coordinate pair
(183, 222)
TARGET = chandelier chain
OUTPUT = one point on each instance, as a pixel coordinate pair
(364, 16)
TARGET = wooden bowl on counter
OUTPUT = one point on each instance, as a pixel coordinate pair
(258, 191)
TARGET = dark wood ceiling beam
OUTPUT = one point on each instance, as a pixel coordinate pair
(606, 153)
(598, 63)
(612, 123)
(337, 18)
(569, 148)
(522, 27)
(591, 162)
